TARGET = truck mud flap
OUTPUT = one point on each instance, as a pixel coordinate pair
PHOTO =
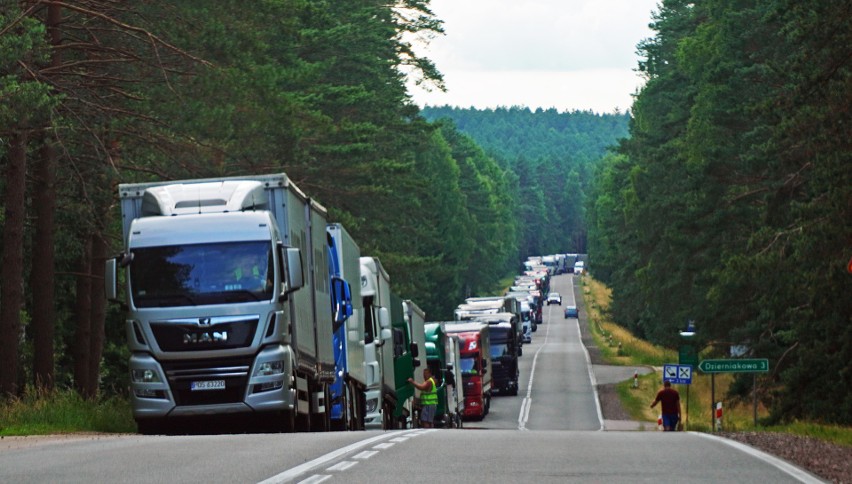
(302, 395)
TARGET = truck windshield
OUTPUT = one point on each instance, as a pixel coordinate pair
(468, 366)
(189, 275)
(499, 350)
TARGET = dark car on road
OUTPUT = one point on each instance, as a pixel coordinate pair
(571, 312)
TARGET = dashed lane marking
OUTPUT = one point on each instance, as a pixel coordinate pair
(342, 465)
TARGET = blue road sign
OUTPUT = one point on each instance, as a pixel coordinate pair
(677, 374)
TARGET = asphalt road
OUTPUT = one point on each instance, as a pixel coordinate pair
(550, 432)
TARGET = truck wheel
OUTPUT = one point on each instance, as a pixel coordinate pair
(289, 420)
(359, 402)
(346, 404)
(150, 426)
(281, 421)
(387, 417)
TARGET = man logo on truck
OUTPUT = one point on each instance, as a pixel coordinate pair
(207, 337)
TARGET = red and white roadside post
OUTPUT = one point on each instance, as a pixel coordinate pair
(717, 412)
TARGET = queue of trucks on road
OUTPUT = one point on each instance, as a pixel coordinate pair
(241, 298)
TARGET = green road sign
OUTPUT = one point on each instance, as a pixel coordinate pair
(757, 365)
(687, 356)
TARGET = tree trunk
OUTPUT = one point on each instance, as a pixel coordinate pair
(83, 336)
(42, 276)
(98, 306)
(43, 267)
(12, 271)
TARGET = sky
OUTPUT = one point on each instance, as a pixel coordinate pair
(563, 54)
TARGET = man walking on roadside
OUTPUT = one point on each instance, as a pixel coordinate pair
(670, 399)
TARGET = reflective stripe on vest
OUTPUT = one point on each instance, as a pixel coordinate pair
(430, 397)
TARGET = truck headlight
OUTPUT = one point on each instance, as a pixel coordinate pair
(268, 368)
(144, 376)
(372, 405)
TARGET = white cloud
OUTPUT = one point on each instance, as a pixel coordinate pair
(568, 54)
(599, 90)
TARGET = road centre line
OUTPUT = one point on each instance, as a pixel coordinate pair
(342, 465)
(524, 414)
(297, 471)
(365, 454)
(315, 479)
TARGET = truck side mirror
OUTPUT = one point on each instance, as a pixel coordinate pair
(110, 290)
(341, 301)
(386, 334)
(384, 321)
(415, 362)
(484, 364)
(292, 273)
(415, 351)
(353, 336)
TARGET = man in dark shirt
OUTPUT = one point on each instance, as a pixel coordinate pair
(670, 399)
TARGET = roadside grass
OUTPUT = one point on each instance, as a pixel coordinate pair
(64, 411)
(696, 398)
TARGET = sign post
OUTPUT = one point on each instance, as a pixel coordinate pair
(752, 365)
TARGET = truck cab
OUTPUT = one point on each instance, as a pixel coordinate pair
(504, 352)
(442, 357)
(380, 398)
(475, 366)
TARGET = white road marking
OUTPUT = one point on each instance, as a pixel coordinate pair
(795, 472)
(384, 445)
(295, 472)
(342, 465)
(400, 439)
(365, 454)
(315, 479)
(591, 376)
(524, 414)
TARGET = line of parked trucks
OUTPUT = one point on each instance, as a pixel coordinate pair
(241, 298)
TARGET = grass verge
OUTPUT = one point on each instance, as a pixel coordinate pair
(64, 411)
(620, 347)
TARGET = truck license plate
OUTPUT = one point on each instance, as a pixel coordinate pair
(207, 385)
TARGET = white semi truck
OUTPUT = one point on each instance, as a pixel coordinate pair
(228, 301)
(376, 296)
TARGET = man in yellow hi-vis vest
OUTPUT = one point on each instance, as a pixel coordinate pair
(428, 398)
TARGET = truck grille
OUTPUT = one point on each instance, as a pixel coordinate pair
(234, 371)
(193, 337)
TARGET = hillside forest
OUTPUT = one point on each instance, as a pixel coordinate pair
(723, 197)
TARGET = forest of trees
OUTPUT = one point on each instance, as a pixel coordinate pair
(96, 92)
(552, 154)
(731, 202)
